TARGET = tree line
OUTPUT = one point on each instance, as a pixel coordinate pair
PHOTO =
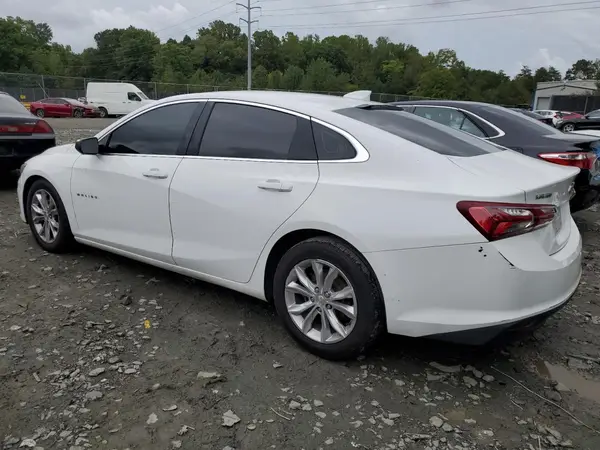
(217, 56)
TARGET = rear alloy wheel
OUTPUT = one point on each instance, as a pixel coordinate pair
(47, 218)
(103, 112)
(568, 128)
(78, 113)
(328, 298)
(40, 112)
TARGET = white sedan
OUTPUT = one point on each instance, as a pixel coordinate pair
(353, 217)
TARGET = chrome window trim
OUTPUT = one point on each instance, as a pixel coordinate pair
(362, 154)
(487, 122)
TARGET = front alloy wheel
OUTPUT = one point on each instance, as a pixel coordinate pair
(320, 301)
(569, 127)
(44, 216)
(47, 217)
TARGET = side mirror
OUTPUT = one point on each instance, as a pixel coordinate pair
(87, 146)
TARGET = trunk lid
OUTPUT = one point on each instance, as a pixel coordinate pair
(541, 183)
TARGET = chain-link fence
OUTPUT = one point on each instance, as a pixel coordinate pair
(30, 87)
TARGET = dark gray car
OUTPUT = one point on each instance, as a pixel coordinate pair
(22, 135)
(523, 134)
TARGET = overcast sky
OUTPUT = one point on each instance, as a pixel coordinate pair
(521, 36)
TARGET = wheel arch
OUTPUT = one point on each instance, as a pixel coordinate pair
(27, 186)
(287, 241)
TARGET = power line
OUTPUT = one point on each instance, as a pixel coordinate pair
(514, 12)
(455, 17)
(109, 59)
(418, 5)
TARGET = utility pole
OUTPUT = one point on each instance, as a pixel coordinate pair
(249, 22)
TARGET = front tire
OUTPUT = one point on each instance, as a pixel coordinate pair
(567, 128)
(47, 218)
(40, 112)
(78, 113)
(328, 298)
(103, 113)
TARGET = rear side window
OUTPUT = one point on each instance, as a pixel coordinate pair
(252, 132)
(331, 145)
(426, 133)
(450, 117)
(156, 132)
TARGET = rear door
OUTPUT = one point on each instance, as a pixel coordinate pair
(252, 167)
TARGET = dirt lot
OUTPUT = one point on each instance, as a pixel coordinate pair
(100, 352)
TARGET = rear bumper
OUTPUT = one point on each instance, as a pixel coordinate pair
(485, 287)
(14, 152)
(485, 335)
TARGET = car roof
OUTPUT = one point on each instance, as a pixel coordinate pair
(304, 103)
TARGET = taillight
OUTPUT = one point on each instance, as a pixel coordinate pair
(582, 160)
(40, 126)
(501, 220)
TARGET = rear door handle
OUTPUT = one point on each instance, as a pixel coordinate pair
(155, 173)
(275, 186)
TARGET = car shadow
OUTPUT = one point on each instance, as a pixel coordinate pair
(396, 351)
(9, 182)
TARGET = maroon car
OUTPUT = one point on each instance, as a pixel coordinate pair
(62, 107)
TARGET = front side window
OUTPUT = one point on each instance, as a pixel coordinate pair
(156, 132)
(450, 117)
(243, 131)
(133, 97)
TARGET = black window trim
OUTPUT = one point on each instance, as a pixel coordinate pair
(107, 132)
(467, 113)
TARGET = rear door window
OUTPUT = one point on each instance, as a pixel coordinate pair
(450, 117)
(252, 132)
(424, 132)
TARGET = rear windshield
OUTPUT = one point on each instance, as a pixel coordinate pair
(426, 133)
(9, 105)
(526, 123)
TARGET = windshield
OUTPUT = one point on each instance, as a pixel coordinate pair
(142, 95)
(424, 132)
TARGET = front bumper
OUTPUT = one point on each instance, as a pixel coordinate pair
(489, 286)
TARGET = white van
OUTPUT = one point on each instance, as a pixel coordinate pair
(115, 99)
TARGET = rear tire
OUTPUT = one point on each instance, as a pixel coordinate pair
(346, 313)
(103, 112)
(47, 218)
(40, 112)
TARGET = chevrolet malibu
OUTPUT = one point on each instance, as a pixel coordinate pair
(352, 217)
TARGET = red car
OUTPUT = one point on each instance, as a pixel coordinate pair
(62, 107)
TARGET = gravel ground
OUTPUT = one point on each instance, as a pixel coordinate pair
(100, 352)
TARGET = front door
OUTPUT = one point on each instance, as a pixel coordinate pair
(256, 166)
(121, 196)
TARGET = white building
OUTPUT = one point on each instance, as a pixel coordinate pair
(545, 90)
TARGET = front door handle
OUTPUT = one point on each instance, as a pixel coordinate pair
(155, 173)
(275, 185)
